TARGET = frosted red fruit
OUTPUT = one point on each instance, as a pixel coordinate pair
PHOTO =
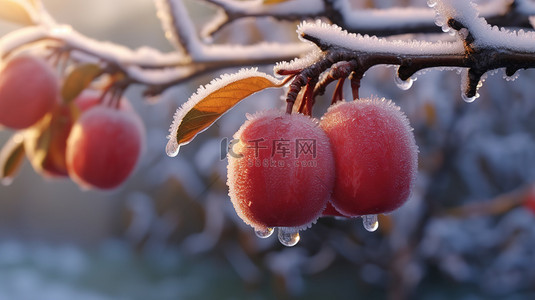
(375, 156)
(104, 146)
(29, 89)
(280, 171)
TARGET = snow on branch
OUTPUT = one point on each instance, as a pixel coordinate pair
(381, 22)
(147, 65)
(477, 49)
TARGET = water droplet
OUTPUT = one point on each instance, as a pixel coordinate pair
(370, 222)
(289, 236)
(264, 233)
(469, 99)
(172, 148)
(431, 3)
(404, 85)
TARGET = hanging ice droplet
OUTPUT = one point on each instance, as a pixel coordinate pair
(289, 236)
(469, 99)
(172, 148)
(431, 3)
(265, 233)
(370, 222)
(404, 85)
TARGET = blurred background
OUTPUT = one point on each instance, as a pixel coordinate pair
(170, 232)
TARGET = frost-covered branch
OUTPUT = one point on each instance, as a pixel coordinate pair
(147, 65)
(193, 57)
(477, 49)
(380, 22)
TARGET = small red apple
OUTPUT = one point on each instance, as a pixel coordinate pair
(375, 156)
(104, 146)
(29, 89)
(280, 173)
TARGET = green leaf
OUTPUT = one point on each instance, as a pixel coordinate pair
(11, 158)
(15, 11)
(211, 102)
(78, 80)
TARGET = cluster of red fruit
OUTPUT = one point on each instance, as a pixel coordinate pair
(95, 144)
(287, 170)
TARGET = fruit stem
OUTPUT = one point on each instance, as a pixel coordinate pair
(355, 78)
(338, 94)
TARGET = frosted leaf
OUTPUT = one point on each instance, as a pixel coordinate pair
(370, 222)
(289, 236)
(219, 90)
(264, 233)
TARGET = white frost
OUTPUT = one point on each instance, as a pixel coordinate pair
(299, 63)
(335, 35)
(14, 39)
(485, 35)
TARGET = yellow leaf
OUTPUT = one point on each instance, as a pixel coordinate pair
(15, 11)
(11, 157)
(78, 80)
(211, 102)
(274, 1)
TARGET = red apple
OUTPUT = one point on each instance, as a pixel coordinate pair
(104, 146)
(375, 156)
(29, 89)
(280, 173)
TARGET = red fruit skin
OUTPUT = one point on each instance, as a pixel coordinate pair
(269, 188)
(104, 146)
(375, 156)
(29, 89)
